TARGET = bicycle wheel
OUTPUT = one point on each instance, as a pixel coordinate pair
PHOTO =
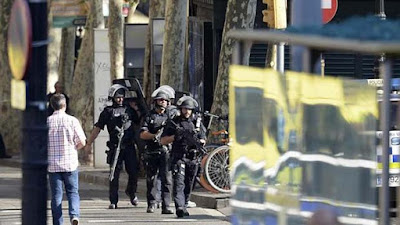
(210, 147)
(201, 178)
(217, 169)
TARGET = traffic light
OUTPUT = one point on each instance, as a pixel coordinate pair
(275, 14)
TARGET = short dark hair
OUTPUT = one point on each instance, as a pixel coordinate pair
(58, 101)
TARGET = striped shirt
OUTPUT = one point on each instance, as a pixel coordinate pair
(65, 134)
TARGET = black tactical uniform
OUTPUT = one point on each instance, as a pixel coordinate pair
(112, 117)
(171, 111)
(184, 155)
(157, 157)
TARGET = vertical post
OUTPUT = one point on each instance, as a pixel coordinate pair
(280, 57)
(322, 66)
(236, 56)
(306, 59)
(34, 143)
(303, 13)
(386, 75)
(246, 49)
(381, 9)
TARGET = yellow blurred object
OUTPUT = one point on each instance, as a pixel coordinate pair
(275, 14)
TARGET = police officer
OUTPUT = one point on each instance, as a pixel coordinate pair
(116, 117)
(171, 111)
(185, 132)
(157, 155)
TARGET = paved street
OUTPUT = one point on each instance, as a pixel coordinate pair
(94, 203)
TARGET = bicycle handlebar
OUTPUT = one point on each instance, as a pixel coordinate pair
(207, 113)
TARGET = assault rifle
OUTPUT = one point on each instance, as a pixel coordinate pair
(196, 155)
(190, 139)
(125, 124)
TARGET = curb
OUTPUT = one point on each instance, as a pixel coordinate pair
(97, 176)
(10, 163)
(210, 200)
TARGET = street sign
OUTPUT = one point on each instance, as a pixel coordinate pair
(19, 38)
(68, 13)
(329, 9)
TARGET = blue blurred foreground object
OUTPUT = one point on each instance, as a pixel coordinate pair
(370, 28)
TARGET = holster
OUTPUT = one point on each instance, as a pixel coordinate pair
(110, 152)
(179, 168)
(193, 154)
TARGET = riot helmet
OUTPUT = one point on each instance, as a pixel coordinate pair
(116, 90)
(168, 89)
(187, 102)
(160, 94)
(165, 89)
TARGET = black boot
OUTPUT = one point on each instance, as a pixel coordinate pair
(180, 212)
(151, 208)
(167, 210)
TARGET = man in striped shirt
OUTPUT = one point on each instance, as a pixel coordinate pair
(66, 136)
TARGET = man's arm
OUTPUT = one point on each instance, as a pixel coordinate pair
(93, 136)
(167, 139)
(146, 135)
(88, 147)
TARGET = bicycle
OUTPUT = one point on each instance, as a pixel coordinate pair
(214, 174)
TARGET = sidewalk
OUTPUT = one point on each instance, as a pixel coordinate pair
(99, 176)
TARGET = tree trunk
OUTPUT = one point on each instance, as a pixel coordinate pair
(10, 119)
(132, 9)
(82, 93)
(115, 36)
(240, 14)
(156, 10)
(53, 57)
(174, 48)
(67, 58)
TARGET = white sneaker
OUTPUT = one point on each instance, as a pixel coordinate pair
(75, 221)
(191, 204)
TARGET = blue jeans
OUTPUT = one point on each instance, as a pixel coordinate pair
(70, 180)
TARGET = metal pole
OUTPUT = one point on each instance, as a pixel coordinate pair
(303, 13)
(34, 142)
(246, 48)
(280, 57)
(386, 75)
(381, 12)
(236, 56)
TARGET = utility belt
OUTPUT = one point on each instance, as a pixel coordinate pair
(150, 153)
(190, 155)
(180, 166)
(112, 147)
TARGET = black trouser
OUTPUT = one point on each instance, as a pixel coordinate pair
(127, 155)
(183, 174)
(157, 164)
(2, 147)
